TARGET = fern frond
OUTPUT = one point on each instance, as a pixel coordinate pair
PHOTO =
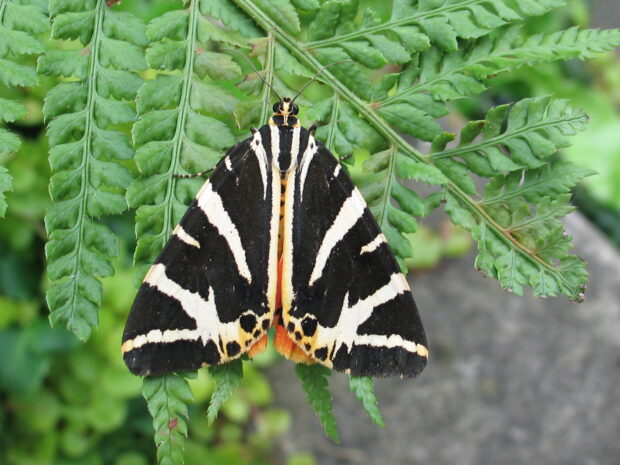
(453, 75)
(528, 206)
(316, 386)
(535, 128)
(520, 238)
(387, 189)
(167, 398)
(88, 180)
(363, 389)
(6, 185)
(413, 26)
(16, 40)
(343, 130)
(173, 133)
(226, 378)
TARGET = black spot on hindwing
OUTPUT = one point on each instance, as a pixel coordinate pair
(248, 322)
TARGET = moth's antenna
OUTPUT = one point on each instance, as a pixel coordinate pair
(254, 68)
(317, 75)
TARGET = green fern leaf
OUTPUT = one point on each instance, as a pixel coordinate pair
(235, 19)
(167, 398)
(27, 18)
(449, 76)
(283, 12)
(414, 27)
(16, 42)
(87, 180)
(525, 207)
(386, 187)
(307, 5)
(9, 142)
(13, 74)
(66, 63)
(535, 129)
(16, 39)
(64, 6)
(411, 120)
(10, 110)
(6, 185)
(325, 22)
(226, 378)
(550, 180)
(316, 386)
(77, 25)
(363, 389)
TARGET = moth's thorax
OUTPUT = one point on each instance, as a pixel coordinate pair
(284, 145)
(283, 120)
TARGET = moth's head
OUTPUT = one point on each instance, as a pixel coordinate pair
(285, 107)
(284, 113)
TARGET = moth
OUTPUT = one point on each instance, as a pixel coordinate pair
(277, 236)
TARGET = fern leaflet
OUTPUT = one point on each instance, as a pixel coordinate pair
(167, 398)
(16, 40)
(226, 377)
(363, 390)
(316, 386)
(88, 181)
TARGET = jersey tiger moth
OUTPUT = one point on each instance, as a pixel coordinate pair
(277, 236)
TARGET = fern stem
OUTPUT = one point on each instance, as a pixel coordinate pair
(333, 123)
(188, 73)
(503, 197)
(86, 153)
(308, 60)
(385, 197)
(269, 68)
(168, 444)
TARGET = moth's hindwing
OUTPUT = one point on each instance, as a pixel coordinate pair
(344, 299)
(210, 296)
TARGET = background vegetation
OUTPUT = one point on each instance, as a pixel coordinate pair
(100, 145)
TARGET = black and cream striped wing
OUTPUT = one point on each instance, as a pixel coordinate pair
(211, 293)
(345, 301)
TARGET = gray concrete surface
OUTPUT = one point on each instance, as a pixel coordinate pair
(605, 13)
(510, 380)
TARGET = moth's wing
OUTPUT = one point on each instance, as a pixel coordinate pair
(211, 293)
(344, 299)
